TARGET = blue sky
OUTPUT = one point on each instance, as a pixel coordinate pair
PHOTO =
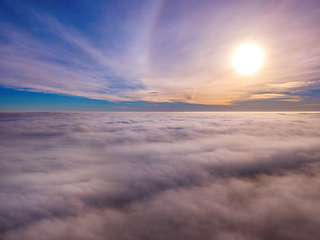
(157, 55)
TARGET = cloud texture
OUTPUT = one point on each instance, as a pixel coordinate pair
(128, 176)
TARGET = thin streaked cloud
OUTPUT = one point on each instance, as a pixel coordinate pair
(163, 51)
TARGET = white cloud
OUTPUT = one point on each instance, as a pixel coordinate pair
(160, 175)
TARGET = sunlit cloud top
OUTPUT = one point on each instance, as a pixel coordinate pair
(162, 51)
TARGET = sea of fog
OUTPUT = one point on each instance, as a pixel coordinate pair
(160, 176)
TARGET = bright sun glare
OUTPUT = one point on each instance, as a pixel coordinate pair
(247, 59)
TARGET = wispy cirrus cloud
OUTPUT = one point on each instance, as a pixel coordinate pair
(61, 59)
(156, 51)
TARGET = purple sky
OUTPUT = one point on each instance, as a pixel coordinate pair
(145, 52)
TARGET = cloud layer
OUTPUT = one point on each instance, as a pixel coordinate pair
(160, 176)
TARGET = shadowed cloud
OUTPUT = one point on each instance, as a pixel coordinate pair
(160, 176)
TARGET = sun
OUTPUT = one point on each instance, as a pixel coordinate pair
(247, 59)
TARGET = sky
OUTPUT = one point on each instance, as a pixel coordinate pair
(157, 55)
(133, 176)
